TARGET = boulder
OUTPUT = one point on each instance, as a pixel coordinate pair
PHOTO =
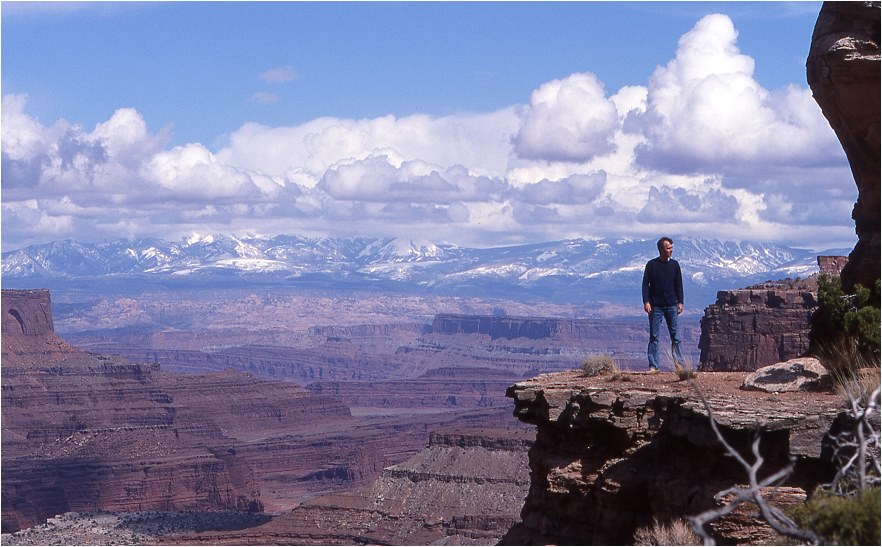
(801, 374)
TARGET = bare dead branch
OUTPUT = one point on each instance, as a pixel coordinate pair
(857, 450)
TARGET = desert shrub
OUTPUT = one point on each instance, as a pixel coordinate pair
(859, 386)
(684, 372)
(842, 520)
(850, 316)
(616, 374)
(678, 532)
(855, 374)
(594, 365)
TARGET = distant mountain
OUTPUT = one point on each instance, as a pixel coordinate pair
(575, 270)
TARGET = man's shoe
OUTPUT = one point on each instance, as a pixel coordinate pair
(652, 370)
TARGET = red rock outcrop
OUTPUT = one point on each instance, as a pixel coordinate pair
(611, 457)
(843, 71)
(750, 328)
(831, 265)
(358, 362)
(26, 312)
(445, 388)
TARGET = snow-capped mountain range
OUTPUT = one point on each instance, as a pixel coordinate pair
(567, 270)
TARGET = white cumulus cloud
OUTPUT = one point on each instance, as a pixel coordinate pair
(705, 111)
(700, 147)
(568, 120)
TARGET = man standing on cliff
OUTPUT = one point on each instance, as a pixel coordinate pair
(663, 298)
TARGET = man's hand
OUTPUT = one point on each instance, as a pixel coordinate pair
(647, 307)
(679, 308)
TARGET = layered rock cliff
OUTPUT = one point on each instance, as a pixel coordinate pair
(843, 71)
(746, 329)
(86, 432)
(26, 312)
(83, 431)
(465, 488)
(612, 457)
(541, 344)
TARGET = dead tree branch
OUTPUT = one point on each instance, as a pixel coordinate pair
(857, 450)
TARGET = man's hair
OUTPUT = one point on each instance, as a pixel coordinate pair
(661, 242)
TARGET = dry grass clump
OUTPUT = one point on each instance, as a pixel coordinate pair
(855, 375)
(684, 372)
(595, 365)
(617, 374)
(677, 532)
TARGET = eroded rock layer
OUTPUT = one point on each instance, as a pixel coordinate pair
(611, 457)
(86, 432)
(465, 488)
(83, 431)
(843, 71)
(750, 328)
(26, 312)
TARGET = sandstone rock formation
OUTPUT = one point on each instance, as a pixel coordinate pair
(442, 388)
(81, 432)
(612, 457)
(843, 71)
(541, 344)
(757, 326)
(458, 362)
(26, 312)
(831, 265)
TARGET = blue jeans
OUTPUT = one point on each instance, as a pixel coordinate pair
(669, 313)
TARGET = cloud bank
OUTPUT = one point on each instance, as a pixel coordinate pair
(700, 149)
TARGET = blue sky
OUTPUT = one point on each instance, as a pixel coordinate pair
(472, 123)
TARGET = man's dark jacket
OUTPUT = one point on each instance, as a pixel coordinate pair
(662, 282)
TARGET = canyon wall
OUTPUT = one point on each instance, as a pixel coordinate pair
(83, 431)
(843, 71)
(612, 457)
(465, 488)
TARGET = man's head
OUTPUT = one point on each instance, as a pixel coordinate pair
(665, 248)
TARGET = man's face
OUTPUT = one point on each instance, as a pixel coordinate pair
(667, 249)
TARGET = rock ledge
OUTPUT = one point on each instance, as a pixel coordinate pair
(611, 457)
